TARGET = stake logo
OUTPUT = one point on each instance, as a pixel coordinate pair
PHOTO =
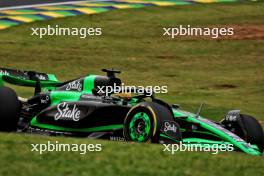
(66, 112)
(170, 127)
(75, 85)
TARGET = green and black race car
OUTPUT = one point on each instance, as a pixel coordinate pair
(76, 108)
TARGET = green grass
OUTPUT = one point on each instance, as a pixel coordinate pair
(117, 158)
(132, 41)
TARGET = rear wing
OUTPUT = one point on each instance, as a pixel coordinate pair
(27, 78)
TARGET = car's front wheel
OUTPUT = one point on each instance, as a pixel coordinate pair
(249, 129)
(145, 121)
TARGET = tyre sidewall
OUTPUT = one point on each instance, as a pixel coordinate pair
(9, 109)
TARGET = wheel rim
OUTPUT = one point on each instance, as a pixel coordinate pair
(139, 127)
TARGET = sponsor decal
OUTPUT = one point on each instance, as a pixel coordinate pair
(75, 85)
(87, 96)
(116, 138)
(44, 100)
(194, 127)
(4, 72)
(168, 126)
(232, 116)
(171, 129)
(41, 77)
(67, 112)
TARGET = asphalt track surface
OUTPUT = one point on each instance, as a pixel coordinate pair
(12, 3)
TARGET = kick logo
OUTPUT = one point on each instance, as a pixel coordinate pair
(65, 112)
(75, 85)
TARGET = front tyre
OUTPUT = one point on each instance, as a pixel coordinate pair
(248, 128)
(144, 121)
(9, 109)
(254, 131)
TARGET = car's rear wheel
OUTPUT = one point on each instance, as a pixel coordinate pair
(143, 122)
(9, 109)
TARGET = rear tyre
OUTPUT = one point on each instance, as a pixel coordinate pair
(9, 109)
(143, 122)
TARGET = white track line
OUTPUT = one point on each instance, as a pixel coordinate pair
(48, 4)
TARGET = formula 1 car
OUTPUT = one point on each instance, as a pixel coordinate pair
(77, 108)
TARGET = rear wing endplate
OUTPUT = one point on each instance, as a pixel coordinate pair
(27, 78)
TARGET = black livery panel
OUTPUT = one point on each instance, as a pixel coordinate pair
(83, 114)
